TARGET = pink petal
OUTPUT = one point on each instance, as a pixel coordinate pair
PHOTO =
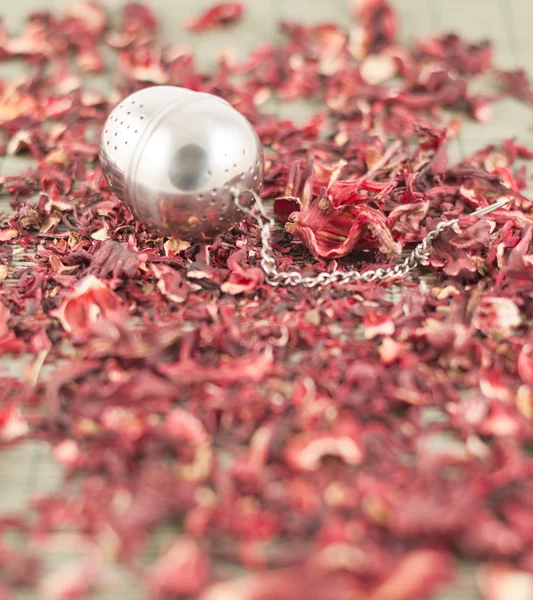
(181, 571)
(217, 16)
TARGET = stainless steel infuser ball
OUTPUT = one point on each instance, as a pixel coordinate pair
(177, 159)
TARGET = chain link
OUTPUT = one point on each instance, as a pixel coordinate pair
(275, 277)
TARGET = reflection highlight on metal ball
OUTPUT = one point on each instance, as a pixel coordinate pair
(188, 169)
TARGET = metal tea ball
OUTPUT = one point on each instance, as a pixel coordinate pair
(178, 159)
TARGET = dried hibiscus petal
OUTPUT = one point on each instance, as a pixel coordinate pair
(516, 83)
(182, 570)
(241, 279)
(306, 451)
(12, 424)
(113, 258)
(172, 284)
(496, 316)
(89, 300)
(9, 342)
(331, 233)
(220, 14)
(377, 27)
(139, 24)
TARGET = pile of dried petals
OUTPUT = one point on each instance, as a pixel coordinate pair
(333, 444)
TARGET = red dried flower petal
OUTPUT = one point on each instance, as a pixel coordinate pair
(377, 28)
(113, 258)
(224, 13)
(182, 425)
(172, 283)
(495, 315)
(88, 301)
(9, 343)
(139, 24)
(12, 424)
(241, 279)
(375, 325)
(306, 451)
(332, 233)
(252, 368)
(181, 571)
(91, 15)
(123, 422)
(407, 217)
(417, 575)
(517, 84)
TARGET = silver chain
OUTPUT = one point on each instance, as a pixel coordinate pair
(294, 278)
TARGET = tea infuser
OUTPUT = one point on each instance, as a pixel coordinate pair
(187, 164)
